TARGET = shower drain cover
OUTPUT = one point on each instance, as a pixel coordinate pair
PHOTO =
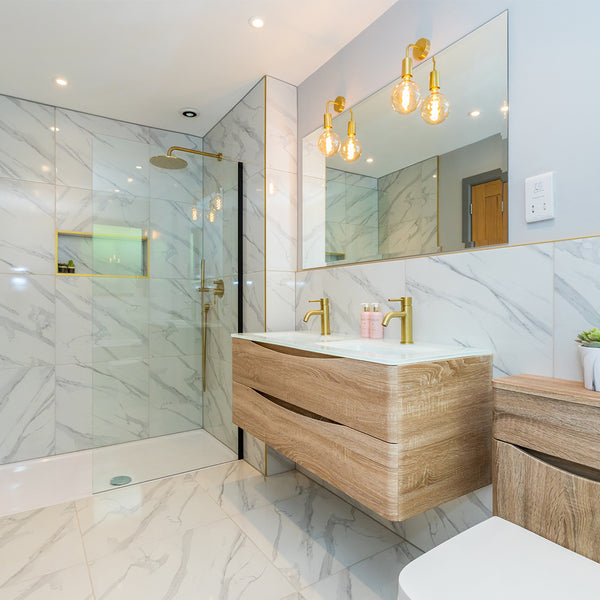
(120, 480)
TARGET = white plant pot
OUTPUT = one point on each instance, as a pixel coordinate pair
(590, 360)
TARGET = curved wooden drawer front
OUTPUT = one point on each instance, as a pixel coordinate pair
(557, 504)
(360, 465)
(359, 394)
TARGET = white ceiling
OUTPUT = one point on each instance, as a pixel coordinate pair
(144, 60)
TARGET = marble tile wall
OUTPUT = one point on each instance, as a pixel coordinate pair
(83, 361)
(524, 303)
(260, 131)
(408, 210)
(351, 216)
(240, 136)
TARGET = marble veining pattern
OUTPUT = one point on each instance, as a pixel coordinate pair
(195, 535)
(74, 209)
(281, 221)
(175, 394)
(498, 299)
(175, 326)
(120, 407)
(282, 125)
(576, 300)
(76, 133)
(239, 135)
(408, 210)
(74, 331)
(27, 405)
(313, 535)
(26, 140)
(37, 543)
(74, 408)
(26, 227)
(27, 320)
(120, 319)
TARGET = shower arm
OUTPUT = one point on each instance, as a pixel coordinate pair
(218, 156)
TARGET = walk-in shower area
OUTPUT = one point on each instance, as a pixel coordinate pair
(119, 294)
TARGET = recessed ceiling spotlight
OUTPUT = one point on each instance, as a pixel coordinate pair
(504, 108)
(434, 176)
(190, 113)
(256, 22)
(52, 128)
(60, 81)
(474, 113)
(369, 160)
(138, 166)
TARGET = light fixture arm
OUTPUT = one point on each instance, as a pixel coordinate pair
(434, 77)
(420, 51)
(338, 106)
(351, 125)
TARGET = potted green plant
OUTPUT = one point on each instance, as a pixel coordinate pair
(71, 266)
(589, 352)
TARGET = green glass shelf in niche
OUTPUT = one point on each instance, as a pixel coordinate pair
(108, 251)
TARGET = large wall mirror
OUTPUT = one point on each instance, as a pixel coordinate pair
(416, 188)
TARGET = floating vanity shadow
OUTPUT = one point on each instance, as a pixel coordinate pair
(122, 253)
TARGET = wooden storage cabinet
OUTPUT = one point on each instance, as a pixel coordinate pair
(399, 439)
(546, 459)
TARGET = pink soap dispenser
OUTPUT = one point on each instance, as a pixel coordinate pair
(376, 329)
(365, 320)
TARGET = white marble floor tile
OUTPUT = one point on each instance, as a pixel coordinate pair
(39, 542)
(314, 535)
(216, 561)
(375, 578)
(68, 584)
(133, 516)
(238, 487)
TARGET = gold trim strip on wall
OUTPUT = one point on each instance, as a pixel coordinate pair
(265, 211)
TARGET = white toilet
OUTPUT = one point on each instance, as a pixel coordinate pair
(500, 560)
(546, 475)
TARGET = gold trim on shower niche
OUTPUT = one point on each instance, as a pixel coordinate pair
(91, 235)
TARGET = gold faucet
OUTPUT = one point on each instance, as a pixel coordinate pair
(405, 313)
(323, 313)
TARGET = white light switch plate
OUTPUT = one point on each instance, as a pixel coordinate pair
(539, 197)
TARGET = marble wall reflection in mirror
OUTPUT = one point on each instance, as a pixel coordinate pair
(416, 195)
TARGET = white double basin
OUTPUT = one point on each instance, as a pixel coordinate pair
(379, 351)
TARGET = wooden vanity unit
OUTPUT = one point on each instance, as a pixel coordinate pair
(547, 459)
(400, 439)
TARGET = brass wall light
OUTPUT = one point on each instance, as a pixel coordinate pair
(406, 96)
(435, 107)
(329, 142)
(351, 148)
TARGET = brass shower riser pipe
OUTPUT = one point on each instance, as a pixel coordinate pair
(217, 156)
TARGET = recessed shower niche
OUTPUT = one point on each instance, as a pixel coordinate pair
(109, 251)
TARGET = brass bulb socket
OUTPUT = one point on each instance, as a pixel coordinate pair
(434, 80)
(407, 67)
(327, 121)
(351, 128)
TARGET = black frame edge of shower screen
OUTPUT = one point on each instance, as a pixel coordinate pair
(240, 238)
